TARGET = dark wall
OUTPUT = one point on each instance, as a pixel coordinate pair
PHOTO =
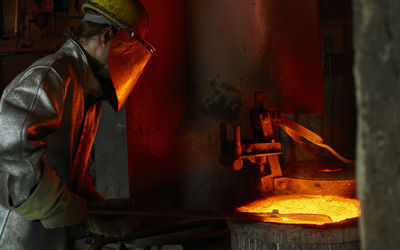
(30, 30)
(12, 64)
(340, 109)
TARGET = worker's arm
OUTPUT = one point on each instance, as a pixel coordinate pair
(30, 109)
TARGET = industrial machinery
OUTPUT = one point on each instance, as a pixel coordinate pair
(291, 211)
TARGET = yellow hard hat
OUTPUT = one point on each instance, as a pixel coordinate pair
(124, 13)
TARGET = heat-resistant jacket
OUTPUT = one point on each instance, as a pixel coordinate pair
(46, 118)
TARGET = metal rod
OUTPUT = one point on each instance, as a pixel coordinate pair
(186, 214)
(237, 162)
(238, 144)
(228, 215)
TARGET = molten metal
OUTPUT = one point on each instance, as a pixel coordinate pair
(305, 209)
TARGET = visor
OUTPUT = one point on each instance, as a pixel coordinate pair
(127, 58)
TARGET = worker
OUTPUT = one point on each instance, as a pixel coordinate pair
(48, 120)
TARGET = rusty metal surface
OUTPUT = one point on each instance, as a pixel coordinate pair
(257, 151)
(266, 154)
(266, 236)
(264, 150)
(285, 185)
(266, 185)
(274, 165)
(248, 148)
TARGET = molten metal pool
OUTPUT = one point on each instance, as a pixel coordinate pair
(305, 209)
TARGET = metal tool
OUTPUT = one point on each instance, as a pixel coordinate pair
(264, 148)
(273, 216)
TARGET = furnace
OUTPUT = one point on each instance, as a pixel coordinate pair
(312, 207)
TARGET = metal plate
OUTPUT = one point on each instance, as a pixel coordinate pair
(285, 185)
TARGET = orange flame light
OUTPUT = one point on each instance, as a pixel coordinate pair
(305, 209)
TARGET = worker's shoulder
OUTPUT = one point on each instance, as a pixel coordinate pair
(53, 70)
(56, 70)
(67, 61)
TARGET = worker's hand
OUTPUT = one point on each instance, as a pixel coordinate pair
(108, 225)
(53, 204)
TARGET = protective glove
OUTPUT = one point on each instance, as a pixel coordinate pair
(111, 226)
(53, 204)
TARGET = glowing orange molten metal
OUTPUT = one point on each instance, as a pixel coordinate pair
(304, 209)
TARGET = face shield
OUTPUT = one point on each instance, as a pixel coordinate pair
(127, 58)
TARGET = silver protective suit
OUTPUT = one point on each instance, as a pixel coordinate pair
(45, 116)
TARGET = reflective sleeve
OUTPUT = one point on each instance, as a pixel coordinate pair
(30, 109)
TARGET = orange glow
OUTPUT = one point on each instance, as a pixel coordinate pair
(330, 170)
(304, 209)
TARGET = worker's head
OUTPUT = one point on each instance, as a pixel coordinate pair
(114, 31)
(96, 38)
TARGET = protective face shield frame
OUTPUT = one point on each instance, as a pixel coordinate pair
(127, 57)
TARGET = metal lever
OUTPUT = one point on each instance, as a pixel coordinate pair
(295, 131)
